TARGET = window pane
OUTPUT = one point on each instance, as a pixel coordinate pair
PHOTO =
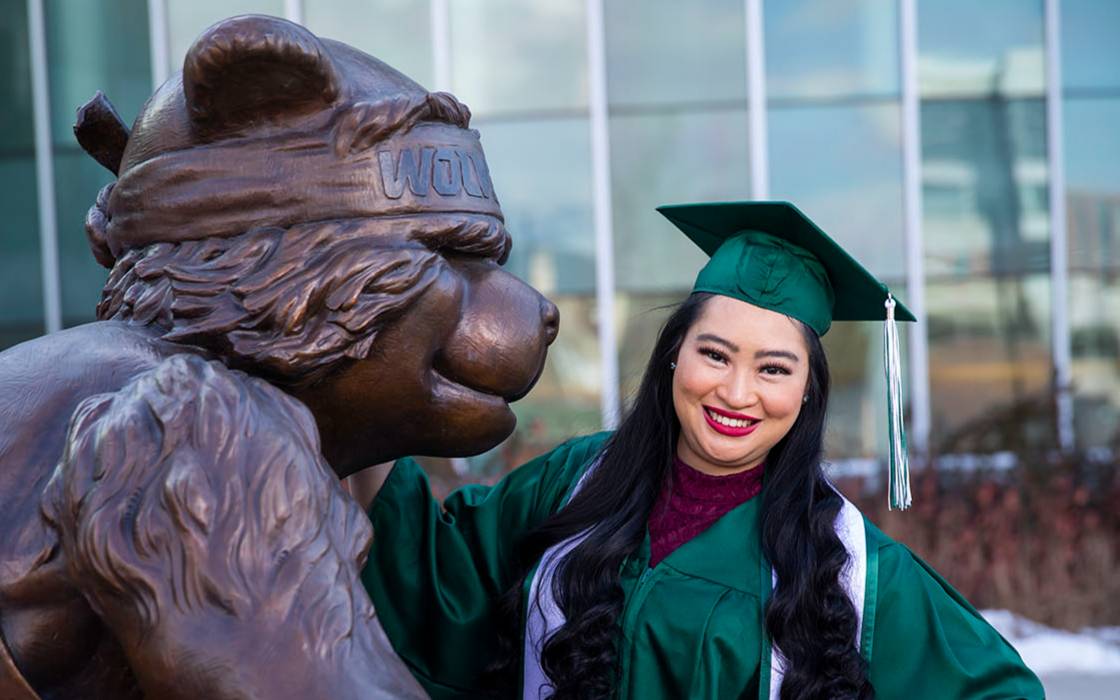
(541, 172)
(187, 18)
(90, 47)
(21, 291)
(395, 31)
(857, 405)
(986, 224)
(984, 176)
(843, 167)
(1090, 52)
(977, 48)
(987, 262)
(1093, 218)
(831, 48)
(666, 51)
(990, 364)
(511, 55)
(667, 158)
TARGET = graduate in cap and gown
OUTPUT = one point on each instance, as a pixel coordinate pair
(698, 551)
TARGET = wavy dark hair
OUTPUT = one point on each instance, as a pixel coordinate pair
(809, 617)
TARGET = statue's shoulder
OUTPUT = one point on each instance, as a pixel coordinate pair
(101, 349)
(43, 380)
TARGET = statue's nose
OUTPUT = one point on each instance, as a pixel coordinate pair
(550, 317)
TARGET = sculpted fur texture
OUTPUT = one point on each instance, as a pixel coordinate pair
(305, 256)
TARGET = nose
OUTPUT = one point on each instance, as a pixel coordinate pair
(739, 391)
(550, 318)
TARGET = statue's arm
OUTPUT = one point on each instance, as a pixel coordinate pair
(199, 520)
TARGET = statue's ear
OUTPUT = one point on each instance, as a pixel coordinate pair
(101, 132)
(251, 67)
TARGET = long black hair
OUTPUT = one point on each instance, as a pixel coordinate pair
(809, 617)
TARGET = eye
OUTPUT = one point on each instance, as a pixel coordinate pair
(714, 355)
(776, 370)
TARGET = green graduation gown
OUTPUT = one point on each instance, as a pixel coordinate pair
(692, 627)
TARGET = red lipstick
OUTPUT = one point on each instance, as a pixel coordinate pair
(729, 430)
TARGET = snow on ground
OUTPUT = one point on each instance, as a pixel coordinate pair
(1049, 651)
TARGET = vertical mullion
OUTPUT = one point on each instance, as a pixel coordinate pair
(912, 215)
(159, 42)
(293, 11)
(1059, 268)
(603, 215)
(44, 167)
(757, 138)
(439, 16)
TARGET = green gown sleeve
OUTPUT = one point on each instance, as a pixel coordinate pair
(929, 642)
(435, 574)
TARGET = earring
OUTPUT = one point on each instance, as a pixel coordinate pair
(672, 366)
(805, 398)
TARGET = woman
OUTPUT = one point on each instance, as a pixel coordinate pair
(698, 551)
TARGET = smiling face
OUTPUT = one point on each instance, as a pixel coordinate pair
(738, 385)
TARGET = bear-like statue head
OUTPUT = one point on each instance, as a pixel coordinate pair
(307, 214)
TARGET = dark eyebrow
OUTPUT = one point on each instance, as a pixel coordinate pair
(716, 339)
(777, 353)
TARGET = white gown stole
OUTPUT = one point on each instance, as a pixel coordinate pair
(543, 615)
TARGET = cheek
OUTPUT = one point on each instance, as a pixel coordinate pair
(691, 383)
(783, 402)
(430, 319)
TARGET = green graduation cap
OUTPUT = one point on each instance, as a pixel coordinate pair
(771, 255)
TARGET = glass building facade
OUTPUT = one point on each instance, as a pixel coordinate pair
(966, 152)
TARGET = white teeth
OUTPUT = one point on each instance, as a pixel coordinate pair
(729, 422)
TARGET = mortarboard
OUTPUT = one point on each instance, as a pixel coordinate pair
(771, 255)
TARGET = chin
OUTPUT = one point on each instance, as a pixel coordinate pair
(727, 459)
(468, 431)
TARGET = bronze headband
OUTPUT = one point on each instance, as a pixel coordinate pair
(432, 168)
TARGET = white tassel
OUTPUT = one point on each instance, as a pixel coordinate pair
(899, 461)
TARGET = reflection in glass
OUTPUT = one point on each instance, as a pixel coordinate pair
(395, 31)
(21, 285)
(1090, 52)
(1092, 160)
(669, 52)
(78, 178)
(986, 224)
(511, 55)
(831, 48)
(990, 364)
(980, 48)
(987, 261)
(89, 49)
(842, 166)
(857, 410)
(668, 158)
(187, 18)
(640, 316)
(984, 178)
(541, 172)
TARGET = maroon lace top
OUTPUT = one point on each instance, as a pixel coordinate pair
(692, 501)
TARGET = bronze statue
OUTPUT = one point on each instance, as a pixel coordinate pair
(305, 252)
